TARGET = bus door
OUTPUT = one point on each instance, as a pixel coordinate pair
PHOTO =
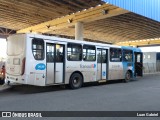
(138, 64)
(102, 64)
(55, 63)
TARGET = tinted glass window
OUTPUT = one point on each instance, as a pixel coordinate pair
(115, 55)
(138, 58)
(158, 56)
(127, 55)
(104, 56)
(89, 53)
(99, 56)
(59, 53)
(38, 48)
(50, 53)
(74, 52)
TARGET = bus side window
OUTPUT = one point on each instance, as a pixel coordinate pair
(115, 55)
(59, 53)
(127, 55)
(74, 52)
(50, 53)
(38, 48)
(89, 53)
(37, 56)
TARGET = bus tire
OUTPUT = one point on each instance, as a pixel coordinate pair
(76, 81)
(127, 77)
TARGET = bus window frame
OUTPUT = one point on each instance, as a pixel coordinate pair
(120, 59)
(60, 55)
(42, 50)
(71, 51)
(90, 49)
(123, 55)
(51, 60)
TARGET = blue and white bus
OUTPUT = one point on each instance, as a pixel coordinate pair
(46, 60)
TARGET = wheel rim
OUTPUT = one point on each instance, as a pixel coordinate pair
(76, 81)
(128, 76)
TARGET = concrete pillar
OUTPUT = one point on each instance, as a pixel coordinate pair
(79, 31)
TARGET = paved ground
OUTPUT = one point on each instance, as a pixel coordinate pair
(140, 95)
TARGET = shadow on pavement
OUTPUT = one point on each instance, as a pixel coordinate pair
(29, 89)
(106, 83)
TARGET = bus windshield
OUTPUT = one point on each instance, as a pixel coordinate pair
(15, 46)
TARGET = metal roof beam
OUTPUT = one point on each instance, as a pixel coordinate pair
(85, 16)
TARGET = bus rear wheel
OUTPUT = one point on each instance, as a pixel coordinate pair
(127, 77)
(76, 81)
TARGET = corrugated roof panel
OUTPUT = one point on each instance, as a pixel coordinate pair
(147, 8)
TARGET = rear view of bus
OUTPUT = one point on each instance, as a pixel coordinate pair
(15, 64)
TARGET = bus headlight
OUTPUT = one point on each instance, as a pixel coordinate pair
(16, 61)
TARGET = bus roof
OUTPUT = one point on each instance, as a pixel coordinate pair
(70, 40)
(131, 48)
(58, 39)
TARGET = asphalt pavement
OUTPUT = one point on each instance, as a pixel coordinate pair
(142, 94)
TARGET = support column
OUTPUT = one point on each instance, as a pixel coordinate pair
(79, 31)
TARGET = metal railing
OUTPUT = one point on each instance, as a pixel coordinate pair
(151, 67)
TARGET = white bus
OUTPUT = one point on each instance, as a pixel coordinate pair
(46, 60)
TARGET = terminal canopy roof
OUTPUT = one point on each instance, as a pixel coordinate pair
(126, 25)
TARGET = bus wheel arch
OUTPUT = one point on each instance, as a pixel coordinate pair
(128, 76)
(76, 80)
